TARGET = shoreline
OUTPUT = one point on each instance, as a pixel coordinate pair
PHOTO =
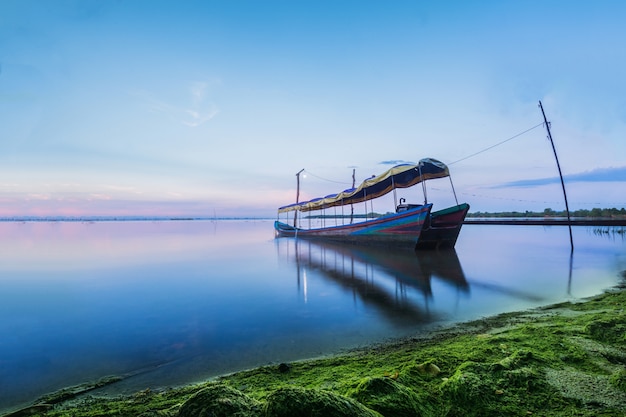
(558, 359)
(530, 221)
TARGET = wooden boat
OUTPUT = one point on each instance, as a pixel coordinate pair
(442, 228)
(411, 225)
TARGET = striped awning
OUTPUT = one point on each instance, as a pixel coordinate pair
(400, 176)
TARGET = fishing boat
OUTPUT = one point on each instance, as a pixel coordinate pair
(410, 225)
(442, 228)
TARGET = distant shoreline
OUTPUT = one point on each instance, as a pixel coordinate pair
(530, 221)
(122, 219)
(516, 221)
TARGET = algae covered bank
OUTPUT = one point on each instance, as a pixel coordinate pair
(567, 359)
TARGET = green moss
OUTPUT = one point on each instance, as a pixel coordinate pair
(519, 357)
(289, 402)
(71, 392)
(428, 368)
(468, 388)
(391, 398)
(526, 378)
(218, 400)
(573, 354)
(143, 403)
(561, 360)
(610, 330)
(618, 379)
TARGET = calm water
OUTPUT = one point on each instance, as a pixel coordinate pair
(178, 302)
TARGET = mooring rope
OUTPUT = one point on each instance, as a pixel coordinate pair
(451, 163)
(325, 179)
(497, 144)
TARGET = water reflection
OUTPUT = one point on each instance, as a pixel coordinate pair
(81, 301)
(397, 283)
(70, 246)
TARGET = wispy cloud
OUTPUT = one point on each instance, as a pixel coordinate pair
(122, 189)
(98, 196)
(197, 118)
(197, 112)
(198, 91)
(200, 112)
(597, 175)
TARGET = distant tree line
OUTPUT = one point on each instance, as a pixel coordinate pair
(609, 213)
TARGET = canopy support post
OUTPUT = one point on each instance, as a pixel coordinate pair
(419, 167)
(569, 221)
(295, 212)
(352, 206)
(365, 202)
(343, 219)
(453, 191)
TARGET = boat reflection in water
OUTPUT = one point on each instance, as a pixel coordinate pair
(395, 283)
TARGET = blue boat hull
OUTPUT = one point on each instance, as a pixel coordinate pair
(402, 228)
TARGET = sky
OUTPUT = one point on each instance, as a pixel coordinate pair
(210, 108)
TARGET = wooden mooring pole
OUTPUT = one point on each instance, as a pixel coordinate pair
(569, 220)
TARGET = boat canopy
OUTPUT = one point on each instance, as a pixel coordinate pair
(400, 176)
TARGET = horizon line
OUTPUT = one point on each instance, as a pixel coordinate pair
(122, 218)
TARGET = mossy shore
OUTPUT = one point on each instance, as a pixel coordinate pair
(567, 359)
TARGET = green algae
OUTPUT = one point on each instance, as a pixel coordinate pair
(611, 330)
(392, 398)
(618, 379)
(71, 392)
(302, 402)
(218, 400)
(561, 360)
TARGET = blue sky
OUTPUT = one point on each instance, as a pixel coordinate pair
(211, 107)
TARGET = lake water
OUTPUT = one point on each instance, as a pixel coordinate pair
(175, 302)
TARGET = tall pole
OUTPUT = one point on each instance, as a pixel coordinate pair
(295, 213)
(569, 221)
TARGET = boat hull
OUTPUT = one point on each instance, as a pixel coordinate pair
(442, 229)
(398, 229)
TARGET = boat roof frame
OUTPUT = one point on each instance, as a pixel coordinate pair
(400, 176)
